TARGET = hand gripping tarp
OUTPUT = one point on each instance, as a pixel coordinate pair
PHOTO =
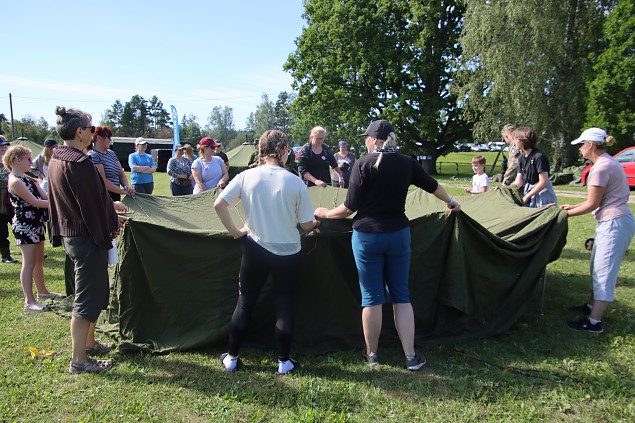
(472, 273)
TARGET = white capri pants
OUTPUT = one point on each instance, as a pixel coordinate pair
(612, 238)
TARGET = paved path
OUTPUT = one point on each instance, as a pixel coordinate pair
(578, 194)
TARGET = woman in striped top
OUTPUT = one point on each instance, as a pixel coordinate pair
(107, 164)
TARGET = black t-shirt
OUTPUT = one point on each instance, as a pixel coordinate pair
(223, 156)
(316, 164)
(532, 165)
(379, 195)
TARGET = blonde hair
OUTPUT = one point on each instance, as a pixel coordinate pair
(507, 129)
(316, 130)
(609, 140)
(47, 153)
(189, 152)
(390, 142)
(14, 153)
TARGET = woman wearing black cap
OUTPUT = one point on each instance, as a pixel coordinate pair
(381, 235)
(40, 166)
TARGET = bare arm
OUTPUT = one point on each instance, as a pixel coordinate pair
(443, 195)
(309, 226)
(18, 187)
(593, 201)
(338, 212)
(222, 210)
(109, 185)
(124, 181)
(223, 179)
(519, 180)
(199, 179)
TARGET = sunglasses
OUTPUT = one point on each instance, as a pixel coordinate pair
(91, 128)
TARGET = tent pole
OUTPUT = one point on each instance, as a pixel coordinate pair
(543, 276)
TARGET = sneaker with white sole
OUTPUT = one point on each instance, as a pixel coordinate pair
(416, 363)
(36, 307)
(586, 325)
(287, 366)
(371, 359)
(228, 363)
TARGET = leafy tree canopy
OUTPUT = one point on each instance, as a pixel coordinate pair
(361, 60)
(612, 90)
(526, 62)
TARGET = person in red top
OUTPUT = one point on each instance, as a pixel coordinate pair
(83, 219)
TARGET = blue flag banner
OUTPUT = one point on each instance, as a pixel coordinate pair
(175, 125)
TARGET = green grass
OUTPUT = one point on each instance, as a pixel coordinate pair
(537, 371)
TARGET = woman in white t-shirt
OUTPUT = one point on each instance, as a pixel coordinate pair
(275, 201)
(607, 199)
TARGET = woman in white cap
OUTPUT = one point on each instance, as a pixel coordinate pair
(142, 167)
(381, 235)
(607, 199)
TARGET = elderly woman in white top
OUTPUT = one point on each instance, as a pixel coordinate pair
(607, 199)
(271, 246)
(208, 170)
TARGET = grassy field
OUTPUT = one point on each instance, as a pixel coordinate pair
(539, 370)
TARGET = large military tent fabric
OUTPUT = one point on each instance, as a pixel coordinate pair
(472, 273)
(239, 158)
(31, 145)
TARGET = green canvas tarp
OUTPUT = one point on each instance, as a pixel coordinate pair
(31, 145)
(472, 273)
(239, 158)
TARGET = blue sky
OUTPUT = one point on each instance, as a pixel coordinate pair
(191, 54)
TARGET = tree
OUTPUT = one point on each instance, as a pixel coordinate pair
(159, 120)
(526, 62)
(612, 91)
(36, 130)
(134, 118)
(281, 113)
(220, 124)
(112, 117)
(4, 124)
(357, 61)
(190, 130)
(265, 116)
(250, 125)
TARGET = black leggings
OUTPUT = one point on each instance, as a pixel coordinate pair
(255, 267)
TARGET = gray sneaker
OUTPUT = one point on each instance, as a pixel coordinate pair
(371, 359)
(91, 365)
(416, 363)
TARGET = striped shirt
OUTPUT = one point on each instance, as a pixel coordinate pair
(111, 164)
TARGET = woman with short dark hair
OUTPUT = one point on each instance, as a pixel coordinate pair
(533, 170)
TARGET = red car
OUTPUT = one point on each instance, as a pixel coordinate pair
(626, 158)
